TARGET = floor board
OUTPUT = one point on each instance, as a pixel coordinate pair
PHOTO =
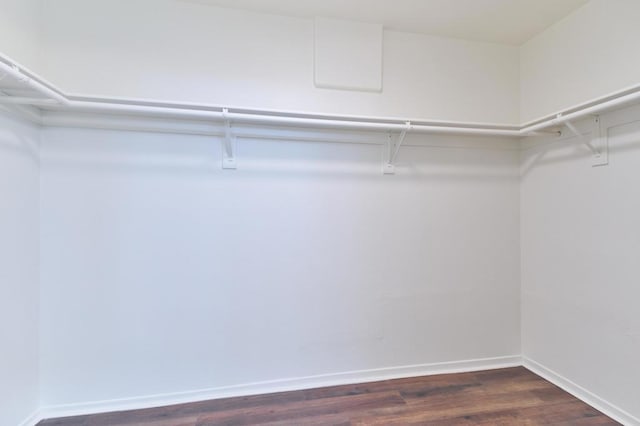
(509, 396)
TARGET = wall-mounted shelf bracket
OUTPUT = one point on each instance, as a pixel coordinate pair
(392, 149)
(229, 144)
(595, 140)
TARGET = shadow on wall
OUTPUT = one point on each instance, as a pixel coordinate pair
(107, 151)
(555, 151)
(13, 140)
(306, 252)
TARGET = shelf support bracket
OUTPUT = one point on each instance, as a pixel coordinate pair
(392, 149)
(595, 141)
(229, 144)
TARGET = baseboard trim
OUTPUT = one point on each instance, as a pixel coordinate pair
(581, 393)
(299, 383)
(32, 420)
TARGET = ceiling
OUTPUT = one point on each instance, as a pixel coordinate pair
(500, 21)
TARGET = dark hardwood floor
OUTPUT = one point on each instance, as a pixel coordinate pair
(510, 396)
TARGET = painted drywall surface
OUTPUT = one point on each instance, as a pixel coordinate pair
(163, 273)
(589, 54)
(191, 52)
(20, 29)
(18, 269)
(580, 245)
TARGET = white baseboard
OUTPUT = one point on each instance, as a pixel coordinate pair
(351, 377)
(581, 393)
(309, 382)
(32, 420)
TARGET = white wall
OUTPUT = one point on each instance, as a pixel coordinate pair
(161, 273)
(20, 30)
(191, 52)
(18, 269)
(589, 54)
(580, 246)
(164, 273)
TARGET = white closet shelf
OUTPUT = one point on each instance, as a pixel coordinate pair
(25, 88)
(19, 86)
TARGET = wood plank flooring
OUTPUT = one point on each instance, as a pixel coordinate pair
(510, 396)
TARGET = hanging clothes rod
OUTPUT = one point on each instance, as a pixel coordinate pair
(285, 120)
(14, 71)
(53, 97)
(563, 118)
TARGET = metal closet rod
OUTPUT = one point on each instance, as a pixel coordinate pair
(50, 94)
(284, 120)
(54, 97)
(597, 108)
